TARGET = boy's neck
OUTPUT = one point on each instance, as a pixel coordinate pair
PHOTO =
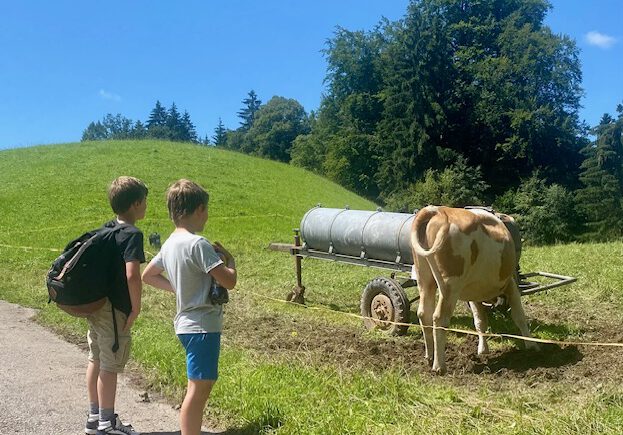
(179, 229)
(185, 228)
(126, 218)
(186, 225)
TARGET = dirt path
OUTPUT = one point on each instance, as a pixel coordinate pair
(42, 384)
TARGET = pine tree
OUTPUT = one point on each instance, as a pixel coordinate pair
(220, 134)
(139, 131)
(157, 117)
(189, 133)
(602, 175)
(247, 113)
(174, 124)
(95, 131)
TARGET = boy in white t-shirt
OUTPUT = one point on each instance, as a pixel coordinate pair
(192, 264)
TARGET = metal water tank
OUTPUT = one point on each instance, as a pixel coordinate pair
(375, 235)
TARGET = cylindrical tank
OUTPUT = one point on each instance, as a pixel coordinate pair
(366, 234)
(513, 228)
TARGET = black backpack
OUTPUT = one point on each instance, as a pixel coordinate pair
(81, 278)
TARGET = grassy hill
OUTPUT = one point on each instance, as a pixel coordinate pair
(315, 370)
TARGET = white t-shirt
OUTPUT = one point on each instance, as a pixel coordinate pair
(187, 260)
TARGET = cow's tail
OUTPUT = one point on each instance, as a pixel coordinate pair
(418, 232)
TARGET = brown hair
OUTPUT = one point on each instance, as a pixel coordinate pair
(125, 191)
(184, 197)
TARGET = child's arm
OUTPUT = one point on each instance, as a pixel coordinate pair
(225, 274)
(135, 287)
(152, 275)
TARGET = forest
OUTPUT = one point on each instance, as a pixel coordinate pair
(460, 102)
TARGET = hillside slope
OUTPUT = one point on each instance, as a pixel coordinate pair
(59, 185)
(316, 370)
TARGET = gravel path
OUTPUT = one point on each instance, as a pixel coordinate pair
(42, 387)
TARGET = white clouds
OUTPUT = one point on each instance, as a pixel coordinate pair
(105, 95)
(600, 40)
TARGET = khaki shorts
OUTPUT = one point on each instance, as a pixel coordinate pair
(101, 337)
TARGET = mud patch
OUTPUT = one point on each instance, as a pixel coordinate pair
(283, 336)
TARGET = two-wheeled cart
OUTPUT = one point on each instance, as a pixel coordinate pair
(381, 240)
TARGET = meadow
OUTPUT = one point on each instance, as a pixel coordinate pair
(288, 369)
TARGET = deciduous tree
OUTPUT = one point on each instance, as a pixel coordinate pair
(275, 127)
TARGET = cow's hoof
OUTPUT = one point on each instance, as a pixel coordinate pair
(483, 351)
(429, 361)
(440, 371)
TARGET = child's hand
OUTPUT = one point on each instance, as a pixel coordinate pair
(220, 249)
(130, 321)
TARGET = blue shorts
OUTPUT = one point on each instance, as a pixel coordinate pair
(202, 351)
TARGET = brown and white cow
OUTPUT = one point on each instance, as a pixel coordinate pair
(467, 255)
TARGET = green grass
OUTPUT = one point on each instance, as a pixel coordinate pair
(51, 194)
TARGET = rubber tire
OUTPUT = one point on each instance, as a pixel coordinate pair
(400, 303)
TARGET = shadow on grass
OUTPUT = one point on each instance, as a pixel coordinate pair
(521, 359)
(250, 429)
(550, 356)
(502, 323)
(270, 419)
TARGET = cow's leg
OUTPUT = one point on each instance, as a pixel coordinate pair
(441, 319)
(480, 322)
(426, 307)
(425, 312)
(517, 313)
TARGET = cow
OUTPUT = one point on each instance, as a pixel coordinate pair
(154, 240)
(467, 254)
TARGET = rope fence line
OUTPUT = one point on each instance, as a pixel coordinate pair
(455, 330)
(357, 316)
(92, 223)
(31, 248)
(37, 230)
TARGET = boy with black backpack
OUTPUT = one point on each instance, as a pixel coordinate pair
(128, 199)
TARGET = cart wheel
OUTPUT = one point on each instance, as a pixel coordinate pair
(383, 300)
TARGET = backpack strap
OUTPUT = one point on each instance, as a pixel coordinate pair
(115, 346)
(99, 233)
(117, 226)
(72, 261)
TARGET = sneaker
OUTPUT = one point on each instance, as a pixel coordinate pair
(92, 423)
(115, 427)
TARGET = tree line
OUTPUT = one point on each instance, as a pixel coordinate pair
(166, 124)
(266, 130)
(460, 102)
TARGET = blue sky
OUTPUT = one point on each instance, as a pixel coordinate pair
(65, 63)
